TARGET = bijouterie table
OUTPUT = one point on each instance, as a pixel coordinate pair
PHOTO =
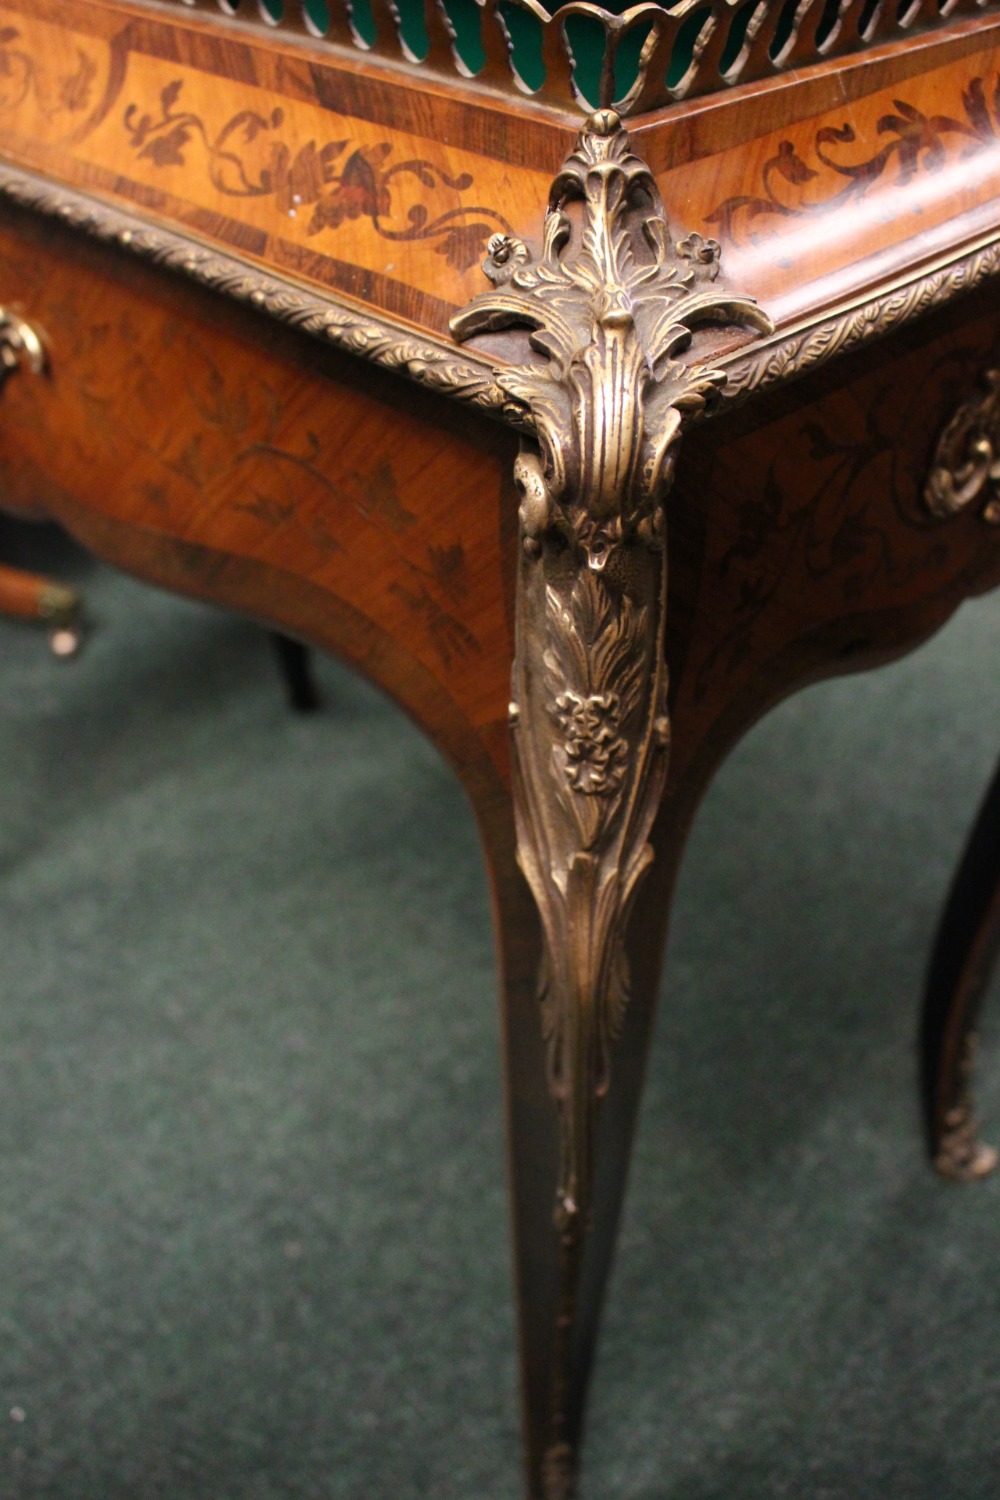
(590, 382)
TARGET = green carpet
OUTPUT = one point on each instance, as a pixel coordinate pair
(252, 1225)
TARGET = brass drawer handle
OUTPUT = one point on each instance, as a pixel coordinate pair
(20, 345)
(22, 594)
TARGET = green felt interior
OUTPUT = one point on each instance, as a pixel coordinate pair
(586, 35)
(586, 38)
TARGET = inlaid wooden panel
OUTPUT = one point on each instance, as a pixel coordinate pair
(380, 195)
(383, 186)
(200, 444)
(888, 174)
(802, 543)
(204, 447)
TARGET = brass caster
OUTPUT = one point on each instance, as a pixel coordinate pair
(961, 1156)
(60, 607)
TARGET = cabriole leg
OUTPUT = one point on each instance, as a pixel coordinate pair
(962, 963)
(610, 303)
(561, 1279)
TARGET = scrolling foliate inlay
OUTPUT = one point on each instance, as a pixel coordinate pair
(609, 304)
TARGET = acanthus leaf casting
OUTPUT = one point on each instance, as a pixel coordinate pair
(609, 305)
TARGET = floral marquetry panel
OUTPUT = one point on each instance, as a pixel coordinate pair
(258, 151)
(823, 541)
(238, 452)
(382, 185)
(834, 191)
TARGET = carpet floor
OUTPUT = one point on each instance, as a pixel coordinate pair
(252, 1217)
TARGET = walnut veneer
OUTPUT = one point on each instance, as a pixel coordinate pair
(209, 221)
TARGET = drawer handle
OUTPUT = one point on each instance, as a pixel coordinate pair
(966, 466)
(20, 345)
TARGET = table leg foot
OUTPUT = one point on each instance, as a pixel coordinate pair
(26, 596)
(562, 1264)
(602, 417)
(963, 959)
(295, 664)
(960, 1155)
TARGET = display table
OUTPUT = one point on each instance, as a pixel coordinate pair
(587, 443)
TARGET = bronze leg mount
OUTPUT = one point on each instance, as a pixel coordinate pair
(608, 307)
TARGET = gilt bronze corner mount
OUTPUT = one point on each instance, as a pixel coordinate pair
(609, 305)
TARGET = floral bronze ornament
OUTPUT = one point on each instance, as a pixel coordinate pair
(966, 465)
(609, 304)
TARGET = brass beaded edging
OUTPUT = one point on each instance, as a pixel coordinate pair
(469, 378)
(790, 353)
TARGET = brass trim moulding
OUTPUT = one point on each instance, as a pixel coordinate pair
(580, 55)
(471, 378)
(792, 352)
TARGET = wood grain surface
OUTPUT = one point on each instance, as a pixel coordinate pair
(202, 446)
(346, 175)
